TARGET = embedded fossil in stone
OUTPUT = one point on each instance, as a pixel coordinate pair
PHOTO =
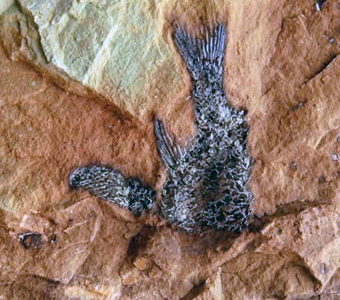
(206, 185)
(31, 240)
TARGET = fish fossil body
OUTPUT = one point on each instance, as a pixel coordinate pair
(206, 184)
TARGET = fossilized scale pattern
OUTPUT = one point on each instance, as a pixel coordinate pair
(206, 184)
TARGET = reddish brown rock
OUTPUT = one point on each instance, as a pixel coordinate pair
(282, 64)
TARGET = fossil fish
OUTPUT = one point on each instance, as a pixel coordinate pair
(206, 185)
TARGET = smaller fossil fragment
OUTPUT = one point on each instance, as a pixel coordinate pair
(319, 4)
(293, 165)
(31, 240)
(297, 106)
(109, 184)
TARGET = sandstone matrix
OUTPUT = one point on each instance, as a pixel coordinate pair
(80, 81)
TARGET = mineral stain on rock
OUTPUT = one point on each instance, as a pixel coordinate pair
(206, 186)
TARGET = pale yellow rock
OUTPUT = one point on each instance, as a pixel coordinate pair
(5, 4)
(213, 288)
(142, 263)
(101, 293)
(115, 48)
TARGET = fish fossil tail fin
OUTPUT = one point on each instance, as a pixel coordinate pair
(203, 57)
(108, 184)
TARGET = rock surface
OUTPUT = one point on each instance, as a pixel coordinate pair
(79, 83)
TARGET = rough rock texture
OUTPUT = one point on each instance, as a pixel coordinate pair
(79, 82)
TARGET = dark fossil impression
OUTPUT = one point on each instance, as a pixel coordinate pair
(206, 185)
